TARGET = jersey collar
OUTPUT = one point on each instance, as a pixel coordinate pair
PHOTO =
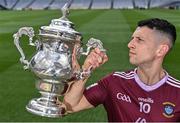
(149, 87)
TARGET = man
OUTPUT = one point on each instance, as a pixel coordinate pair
(145, 94)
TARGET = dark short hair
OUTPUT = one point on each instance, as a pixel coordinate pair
(161, 25)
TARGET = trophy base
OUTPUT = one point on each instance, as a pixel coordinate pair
(44, 107)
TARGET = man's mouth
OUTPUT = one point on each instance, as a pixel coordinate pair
(132, 53)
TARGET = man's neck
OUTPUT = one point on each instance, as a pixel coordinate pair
(150, 75)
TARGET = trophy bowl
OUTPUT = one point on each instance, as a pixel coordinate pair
(57, 49)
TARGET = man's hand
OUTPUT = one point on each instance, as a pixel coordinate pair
(74, 98)
(95, 59)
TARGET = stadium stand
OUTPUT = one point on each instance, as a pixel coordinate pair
(81, 4)
(123, 4)
(57, 4)
(160, 3)
(101, 4)
(3, 4)
(10, 4)
(40, 4)
(88, 4)
(22, 4)
(141, 3)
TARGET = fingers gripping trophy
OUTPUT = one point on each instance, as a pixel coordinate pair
(55, 62)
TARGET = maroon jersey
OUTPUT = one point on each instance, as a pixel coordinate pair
(126, 98)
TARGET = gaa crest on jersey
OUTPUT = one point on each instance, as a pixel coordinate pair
(168, 109)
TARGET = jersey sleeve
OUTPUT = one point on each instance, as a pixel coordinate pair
(97, 92)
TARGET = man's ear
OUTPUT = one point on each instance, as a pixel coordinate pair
(162, 50)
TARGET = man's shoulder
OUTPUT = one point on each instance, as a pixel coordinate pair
(117, 79)
(124, 74)
(118, 76)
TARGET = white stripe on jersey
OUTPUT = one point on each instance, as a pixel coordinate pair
(130, 74)
(90, 86)
(173, 79)
(124, 75)
(170, 83)
(174, 82)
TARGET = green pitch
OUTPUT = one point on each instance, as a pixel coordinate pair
(112, 27)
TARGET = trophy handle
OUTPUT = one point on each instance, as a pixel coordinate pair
(30, 33)
(92, 43)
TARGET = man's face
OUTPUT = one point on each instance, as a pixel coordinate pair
(143, 46)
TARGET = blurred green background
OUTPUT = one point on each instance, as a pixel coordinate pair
(112, 27)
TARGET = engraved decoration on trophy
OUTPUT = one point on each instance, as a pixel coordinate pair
(52, 64)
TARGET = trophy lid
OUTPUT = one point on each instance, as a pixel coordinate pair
(61, 28)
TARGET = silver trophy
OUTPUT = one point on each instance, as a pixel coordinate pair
(57, 49)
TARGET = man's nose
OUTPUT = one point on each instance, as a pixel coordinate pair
(131, 44)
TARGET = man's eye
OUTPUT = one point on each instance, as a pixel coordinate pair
(140, 39)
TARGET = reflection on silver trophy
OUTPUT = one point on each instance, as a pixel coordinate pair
(57, 49)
